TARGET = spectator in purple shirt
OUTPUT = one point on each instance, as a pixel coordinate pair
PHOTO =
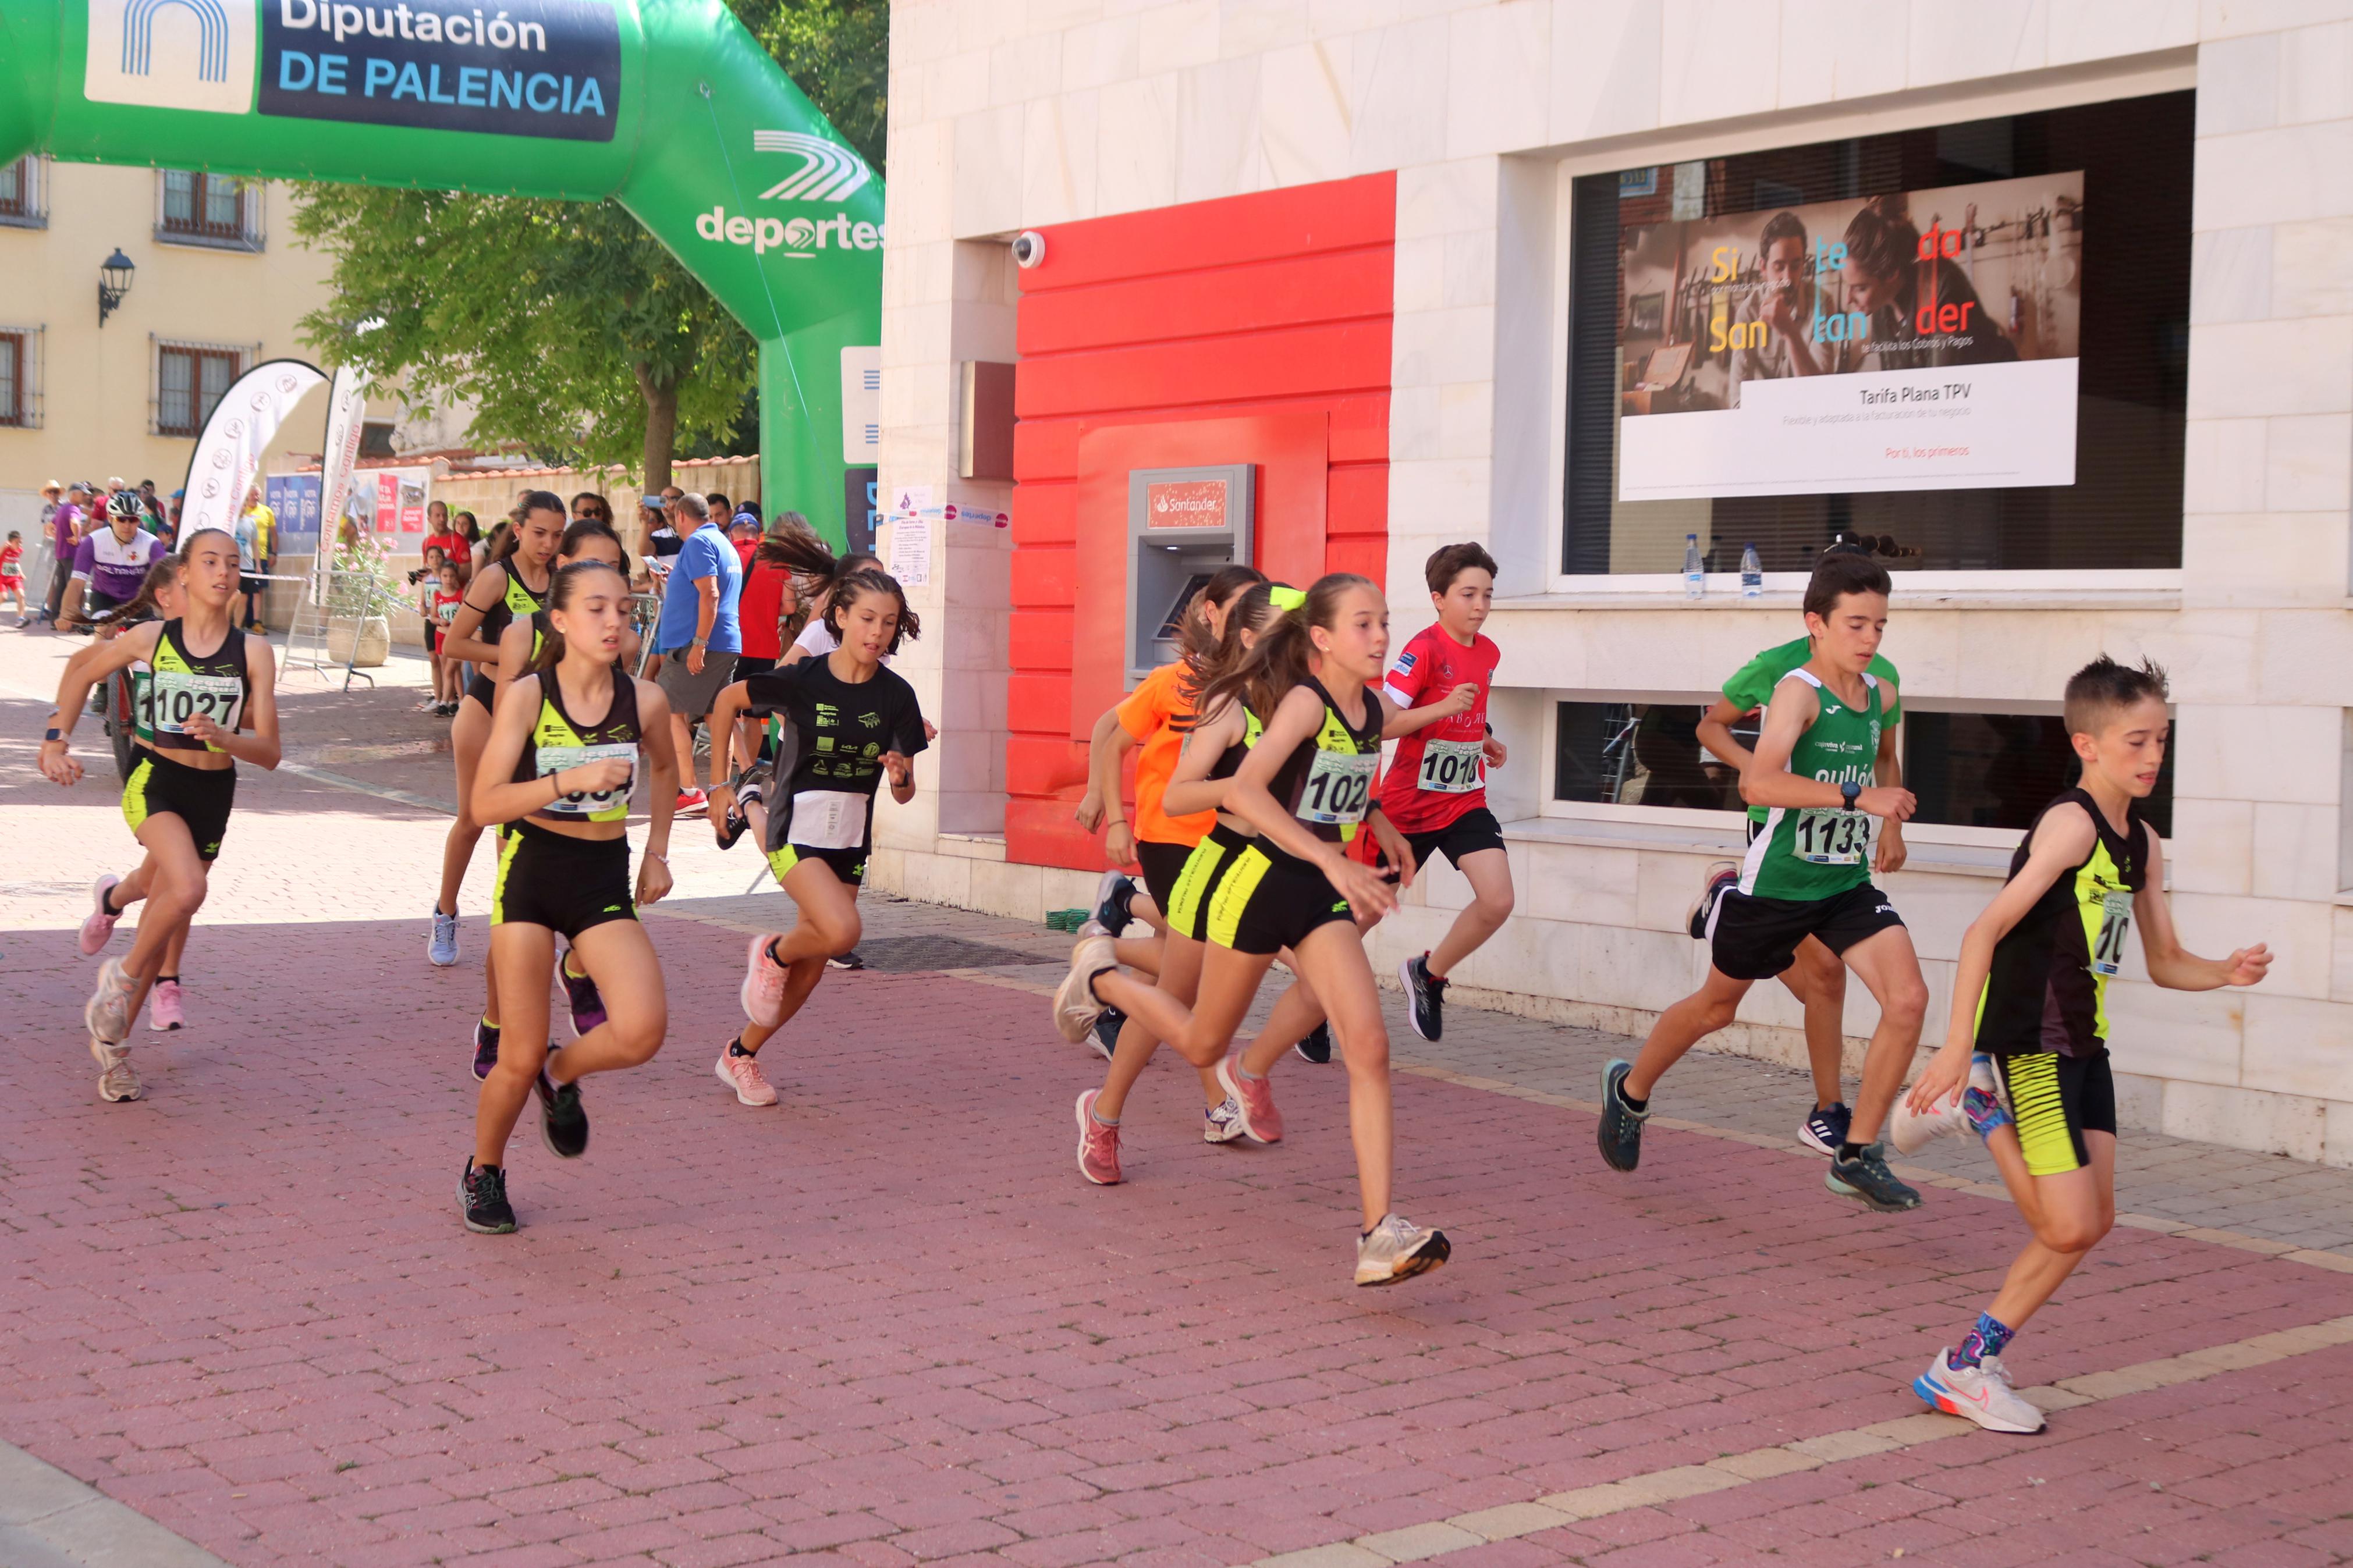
(64, 537)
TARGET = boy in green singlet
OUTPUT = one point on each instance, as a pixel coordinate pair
(1817, 979)
(2032, 995)
(1807, 874)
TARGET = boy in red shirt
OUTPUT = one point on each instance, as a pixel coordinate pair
(12, 570)
(1436, 788)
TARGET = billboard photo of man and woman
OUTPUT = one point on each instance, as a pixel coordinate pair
(1923, 339)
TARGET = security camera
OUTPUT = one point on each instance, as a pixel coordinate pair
(1029, 249)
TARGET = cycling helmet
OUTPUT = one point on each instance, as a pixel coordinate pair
(123, 504)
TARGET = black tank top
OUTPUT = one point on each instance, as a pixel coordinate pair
(181, 686)
(517, 600)
(2047, 989)
(556, 742)
(1327, 781)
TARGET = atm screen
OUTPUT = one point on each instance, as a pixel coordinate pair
(1173, 623)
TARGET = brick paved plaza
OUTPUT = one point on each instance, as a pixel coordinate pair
(886, 1323)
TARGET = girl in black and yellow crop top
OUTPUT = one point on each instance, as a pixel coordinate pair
(563, 752)
(207, 704)
(1282, 880)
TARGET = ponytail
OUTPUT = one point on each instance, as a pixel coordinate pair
(1208, 662)
(1193, 633)
(142, 605)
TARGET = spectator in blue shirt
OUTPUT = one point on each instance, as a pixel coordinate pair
(698, 633)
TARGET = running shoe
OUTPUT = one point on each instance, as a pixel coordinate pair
(692, 800)
(1317, 1047)
(763, 992)
(1976, 1108)
(97, 930)
(1825, 1130)
(580, 991)
(1076, 1006)
(741, 1074)
(1098, 1145)
(1106, 1034)
(1222, 1123)
(443, 948)
(1981, 1393)
(485, 1048)
(108, 1013)
(1396, 1248)
(1620, 1131)
(563, 1120)
(1254, 1098)
(164, 1010)
(1868, 1181)
(482, 1200)
(738, 820)
(117, 1080)
(1719, 879)
(1425, 997)
(846, 960)
(1113, 895)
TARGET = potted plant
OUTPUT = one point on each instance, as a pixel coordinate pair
(362, 589)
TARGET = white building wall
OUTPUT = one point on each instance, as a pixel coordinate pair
(1006, 115)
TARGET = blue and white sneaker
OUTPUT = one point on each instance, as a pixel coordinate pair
(1825, 1130)
(443, 948)
(1982, 1393)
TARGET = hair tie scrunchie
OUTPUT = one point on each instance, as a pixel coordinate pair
(1286, 599)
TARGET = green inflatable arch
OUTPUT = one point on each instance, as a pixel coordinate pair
(668, 105)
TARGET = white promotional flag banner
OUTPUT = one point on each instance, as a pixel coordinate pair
(346, 413)
(228, 454)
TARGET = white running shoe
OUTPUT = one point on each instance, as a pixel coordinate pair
(1396, 1248)
(1912, 1131)
(99, 928)
(117, 1080)
(1076, 1006)
(108, 1014)
(1223, 1124)
(441, 948)
(1981, 1393)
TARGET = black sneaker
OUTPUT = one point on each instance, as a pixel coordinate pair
(1825, 1130)
(486, 1048)
(1868, 1181)
(1620, 1131)
(846, 960)
(563, 1120)
(482, 1200)
(1425, 997)
(1114, 896)
(1317, 1047)
(737, 818)
(1106, 1031)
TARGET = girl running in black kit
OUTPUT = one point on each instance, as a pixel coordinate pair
(562, 755)
(851, 724)
(513, 582)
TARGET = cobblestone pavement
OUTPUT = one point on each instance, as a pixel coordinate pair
(886, 1323)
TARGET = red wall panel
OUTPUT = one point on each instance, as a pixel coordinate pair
(1258, 325)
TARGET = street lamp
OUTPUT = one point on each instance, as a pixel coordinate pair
(113, 283)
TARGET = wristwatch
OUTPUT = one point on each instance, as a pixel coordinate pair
(1851, 791)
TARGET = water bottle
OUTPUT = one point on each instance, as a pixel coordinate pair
(1752, 574)
(1695, 569)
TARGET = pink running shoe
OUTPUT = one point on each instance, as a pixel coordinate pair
(1098, 1145)
(163, 1006)
(741, 1074)
(99, 929)
(1260, 1119)
(764, 984)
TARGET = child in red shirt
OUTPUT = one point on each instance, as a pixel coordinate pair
(12, 570)
(1436, 789)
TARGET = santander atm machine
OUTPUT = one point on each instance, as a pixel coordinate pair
(1183, 525)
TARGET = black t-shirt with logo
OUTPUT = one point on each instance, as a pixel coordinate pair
(840, 731)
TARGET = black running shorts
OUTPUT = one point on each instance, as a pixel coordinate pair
(2056, 1099)
(564, 883)
(1233, 893)
(848, 865)
(1162, 864)
(1756, 939)
(1468, 834)
(201, 797)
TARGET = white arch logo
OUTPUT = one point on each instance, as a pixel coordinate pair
(828, 170)
(173, 54)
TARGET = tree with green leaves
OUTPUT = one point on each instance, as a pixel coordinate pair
(570, 328)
